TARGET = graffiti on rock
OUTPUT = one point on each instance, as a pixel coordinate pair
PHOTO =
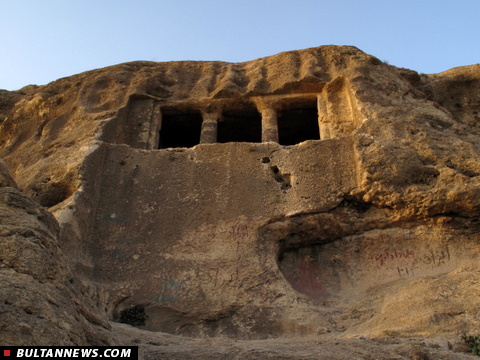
(231, 231)
(387, 255)
(408, 262)
(436, 257)
(171, 291)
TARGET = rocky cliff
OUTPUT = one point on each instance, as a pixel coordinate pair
(312, 192)
(42, 301)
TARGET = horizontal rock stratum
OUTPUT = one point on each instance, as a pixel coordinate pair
(315, 193)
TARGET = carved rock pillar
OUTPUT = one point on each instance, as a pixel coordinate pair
(269, 125)
(209, 128)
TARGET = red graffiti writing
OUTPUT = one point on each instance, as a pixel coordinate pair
(382, 258)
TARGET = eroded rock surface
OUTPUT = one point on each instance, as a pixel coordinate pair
(312, 192)
(41, 301)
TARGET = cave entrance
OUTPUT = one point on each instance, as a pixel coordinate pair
(180, 129)
(298, 122)
(240, 125)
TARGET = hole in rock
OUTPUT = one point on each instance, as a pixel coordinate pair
(286, 184)
(134, 316)
(298, 123)
(240, 125)
(284, 179)
(357, 205)
(180, 129)
(51, 194)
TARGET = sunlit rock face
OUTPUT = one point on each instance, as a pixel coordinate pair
(312, 191)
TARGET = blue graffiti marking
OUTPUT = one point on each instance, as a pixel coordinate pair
(171, 291)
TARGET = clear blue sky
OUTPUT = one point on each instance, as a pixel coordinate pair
(42, 40)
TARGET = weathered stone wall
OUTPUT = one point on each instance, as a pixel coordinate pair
(185, 223)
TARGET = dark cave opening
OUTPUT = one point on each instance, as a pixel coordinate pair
(243, 125)
(180, 130)
(298, 124)
(134, 316)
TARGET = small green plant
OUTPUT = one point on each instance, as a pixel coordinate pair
(473, 342)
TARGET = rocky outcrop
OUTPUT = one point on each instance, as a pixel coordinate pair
(311, 192)
(9, 98)
(7, 101)
(41, 301)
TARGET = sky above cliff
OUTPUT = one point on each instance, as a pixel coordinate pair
(42, 40)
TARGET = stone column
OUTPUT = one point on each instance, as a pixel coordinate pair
(269, 124)
(154, 138)
(209, 128)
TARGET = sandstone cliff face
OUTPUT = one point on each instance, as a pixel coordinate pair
(7, 101)
(309, 192)
(41, 301)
